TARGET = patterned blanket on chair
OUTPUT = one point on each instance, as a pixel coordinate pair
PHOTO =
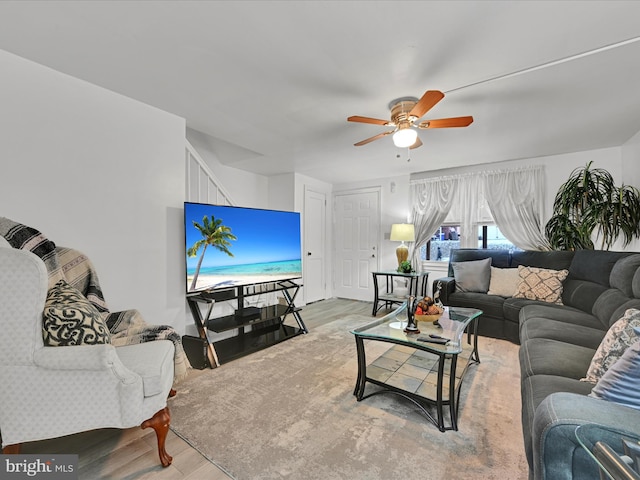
(126, 327)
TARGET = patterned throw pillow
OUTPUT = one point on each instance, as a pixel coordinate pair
(620, 336)
(540, 284)
(70, 319)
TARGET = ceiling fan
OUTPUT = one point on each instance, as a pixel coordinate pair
(405, 112)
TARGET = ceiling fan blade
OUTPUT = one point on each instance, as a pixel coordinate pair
(375, 121)
(371, 139)
(426, 103)
(417, 144)
(447, 122)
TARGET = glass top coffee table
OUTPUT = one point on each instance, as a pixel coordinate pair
(423, 372)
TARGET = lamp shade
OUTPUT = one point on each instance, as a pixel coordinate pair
(402, 232)
(405, 137)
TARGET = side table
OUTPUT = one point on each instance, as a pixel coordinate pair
(388, 298)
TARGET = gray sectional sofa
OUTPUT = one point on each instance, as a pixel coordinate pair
(557, 344)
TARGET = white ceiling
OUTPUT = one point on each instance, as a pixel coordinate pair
(272, 83)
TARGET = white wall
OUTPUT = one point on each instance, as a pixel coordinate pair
(101, 173)
(631, 172)
(282, 193)
(631, 161)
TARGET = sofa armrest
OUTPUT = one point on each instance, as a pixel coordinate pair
(556, 451)
(448, 287)
(84, 357)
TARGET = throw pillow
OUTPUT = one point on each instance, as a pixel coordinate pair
(504, 281)
(540, 284)
(472, 276)
(618, 338)
(620, 383)
(70, 319)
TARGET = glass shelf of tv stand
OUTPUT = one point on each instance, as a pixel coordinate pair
(252, 316)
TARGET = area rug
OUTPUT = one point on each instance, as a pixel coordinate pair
(288, 412)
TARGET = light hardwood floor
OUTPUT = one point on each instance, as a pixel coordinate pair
(132, 454)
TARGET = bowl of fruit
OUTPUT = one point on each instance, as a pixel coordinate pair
(427, 311)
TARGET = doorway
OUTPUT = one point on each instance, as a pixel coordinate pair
(315, 207)
(356, 234)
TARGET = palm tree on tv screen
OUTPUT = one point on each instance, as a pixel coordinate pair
(214, 234)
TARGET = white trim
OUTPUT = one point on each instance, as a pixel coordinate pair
(222, 195)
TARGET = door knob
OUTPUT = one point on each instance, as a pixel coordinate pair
(308, 254)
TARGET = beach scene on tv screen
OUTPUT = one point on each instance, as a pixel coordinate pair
(232, 246)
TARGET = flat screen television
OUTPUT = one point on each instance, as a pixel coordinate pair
(227, 246)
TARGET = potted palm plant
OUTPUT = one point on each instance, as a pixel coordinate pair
(588, 202)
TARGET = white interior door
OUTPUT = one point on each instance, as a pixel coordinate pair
(315, 206)
(356, 233)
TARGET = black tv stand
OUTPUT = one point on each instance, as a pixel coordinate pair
(257, 327)
(248, 312)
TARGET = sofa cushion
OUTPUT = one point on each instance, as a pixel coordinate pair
(620, 383)
(594, 266)
(617, 339)
(607, 306)
(561, 331)
(534, 390)
(562, 313)
(70, 319)
(540, 284)
(623, 272)
(635, 285)
(581, 294)
(554, 260)
(513, 306)
(620, 311)
(504, 281)
(543, 356)
(490, 305)
(472, 276)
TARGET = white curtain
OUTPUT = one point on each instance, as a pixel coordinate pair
(431, 201)
(469, 204)
(515, 198)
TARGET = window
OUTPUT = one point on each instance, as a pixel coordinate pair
(448, 237)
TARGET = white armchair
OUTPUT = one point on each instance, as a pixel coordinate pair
(48, 392)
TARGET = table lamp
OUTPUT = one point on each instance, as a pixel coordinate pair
(402, 232)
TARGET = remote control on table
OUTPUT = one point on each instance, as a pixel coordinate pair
(439, 340)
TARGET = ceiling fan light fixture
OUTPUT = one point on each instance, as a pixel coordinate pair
(405, 137)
